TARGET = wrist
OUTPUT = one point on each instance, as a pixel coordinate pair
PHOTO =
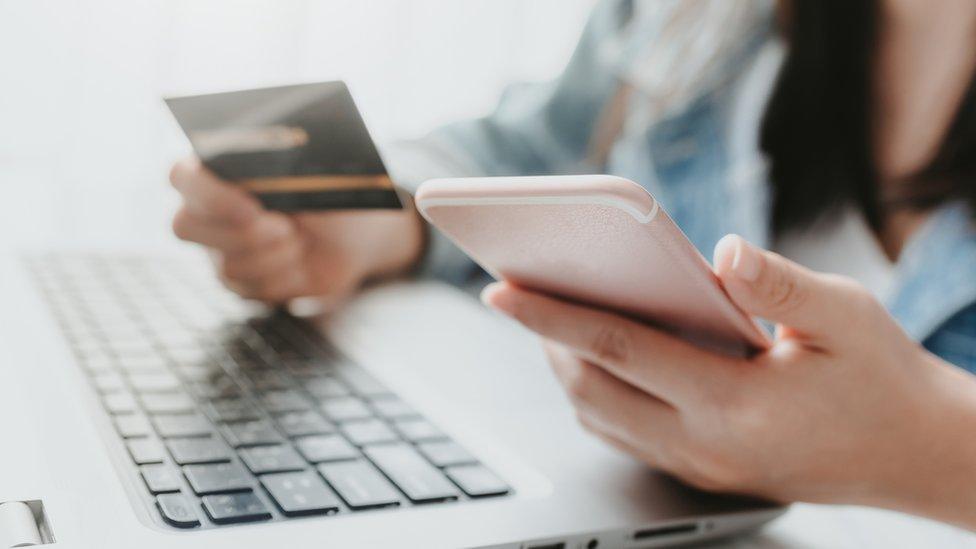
(405, 245)
(935, 471)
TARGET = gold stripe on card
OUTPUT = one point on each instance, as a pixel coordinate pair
(305, 183)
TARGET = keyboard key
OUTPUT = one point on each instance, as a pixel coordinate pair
(181, 425)
(369, 431)
(308, 369)
(121, 333)
(154, 382)
(216, 478)
(209, 372)
(359, 484)
(108, 382)
(231, 508)
(298, 494)
(132, 352)
(418, 430)
(218, 388)
(177, 510)
(160, 478)
(148, 362)
(167, 403)
(296, 424)
(173, 338)
(132, 426)
(232, 409)
(197, 450)
(119, 403)
(251, 433)
(417, 478)
(326, 448)
(244, 358)
(145, 450)
(477, 481)
(284, 401)
(88, 345)
(189, 355)
(85, 342)
(444, 453)
(393, 408)
(363, 383)
(98, 364)
(282, 345)
(345, 409)
(271, 459)
(326, 387)
(268, 380)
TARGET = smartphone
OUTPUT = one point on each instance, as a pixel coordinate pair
(597, 240)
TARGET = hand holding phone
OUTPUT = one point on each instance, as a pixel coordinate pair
(597, 240)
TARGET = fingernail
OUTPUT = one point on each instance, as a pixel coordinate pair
(492, 296)
(487, 291)
(746, 262)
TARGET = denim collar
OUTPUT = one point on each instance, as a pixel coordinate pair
(936, 274)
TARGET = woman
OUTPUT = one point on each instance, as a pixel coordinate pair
(865, 115)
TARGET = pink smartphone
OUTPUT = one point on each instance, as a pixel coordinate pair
(597, 240)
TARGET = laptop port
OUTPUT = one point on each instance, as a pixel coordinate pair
(557, 545)
(662, 531)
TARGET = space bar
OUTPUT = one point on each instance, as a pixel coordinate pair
(412, 473)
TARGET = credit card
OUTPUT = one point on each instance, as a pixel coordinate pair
(301, 147)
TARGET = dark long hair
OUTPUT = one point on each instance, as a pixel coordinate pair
(817, 130)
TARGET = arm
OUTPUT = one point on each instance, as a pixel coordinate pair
(535, 129)
(844, 408)
(276, 257)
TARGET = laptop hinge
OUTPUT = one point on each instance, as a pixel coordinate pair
(23, 524)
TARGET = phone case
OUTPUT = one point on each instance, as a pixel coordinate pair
(598, 240)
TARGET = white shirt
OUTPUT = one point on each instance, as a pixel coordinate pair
(843, 244)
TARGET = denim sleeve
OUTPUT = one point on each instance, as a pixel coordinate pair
(536, 129)
(955, 340)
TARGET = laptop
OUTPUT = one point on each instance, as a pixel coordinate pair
(144, 406)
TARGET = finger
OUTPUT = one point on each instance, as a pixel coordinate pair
(590, 425)
(770, 286)
(287, 280)
(208, 197)
(615, 407)
(265, 230)
(274, 259)
(653, 361)
(274, 289)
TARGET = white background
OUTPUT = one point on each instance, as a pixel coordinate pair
(84, 130)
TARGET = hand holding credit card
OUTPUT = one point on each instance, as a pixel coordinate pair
(300, 147)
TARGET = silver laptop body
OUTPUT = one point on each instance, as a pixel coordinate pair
(67, 476)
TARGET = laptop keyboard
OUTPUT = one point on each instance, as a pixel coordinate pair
(233, 414)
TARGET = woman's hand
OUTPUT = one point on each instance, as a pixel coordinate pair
(274, 257)
(843, 408)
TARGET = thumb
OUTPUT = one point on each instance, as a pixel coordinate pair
(769, 286)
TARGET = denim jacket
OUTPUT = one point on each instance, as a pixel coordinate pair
(698, 157)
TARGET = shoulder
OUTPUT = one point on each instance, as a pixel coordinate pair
(685, 51)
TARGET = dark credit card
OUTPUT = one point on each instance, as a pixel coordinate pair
(302, 147)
